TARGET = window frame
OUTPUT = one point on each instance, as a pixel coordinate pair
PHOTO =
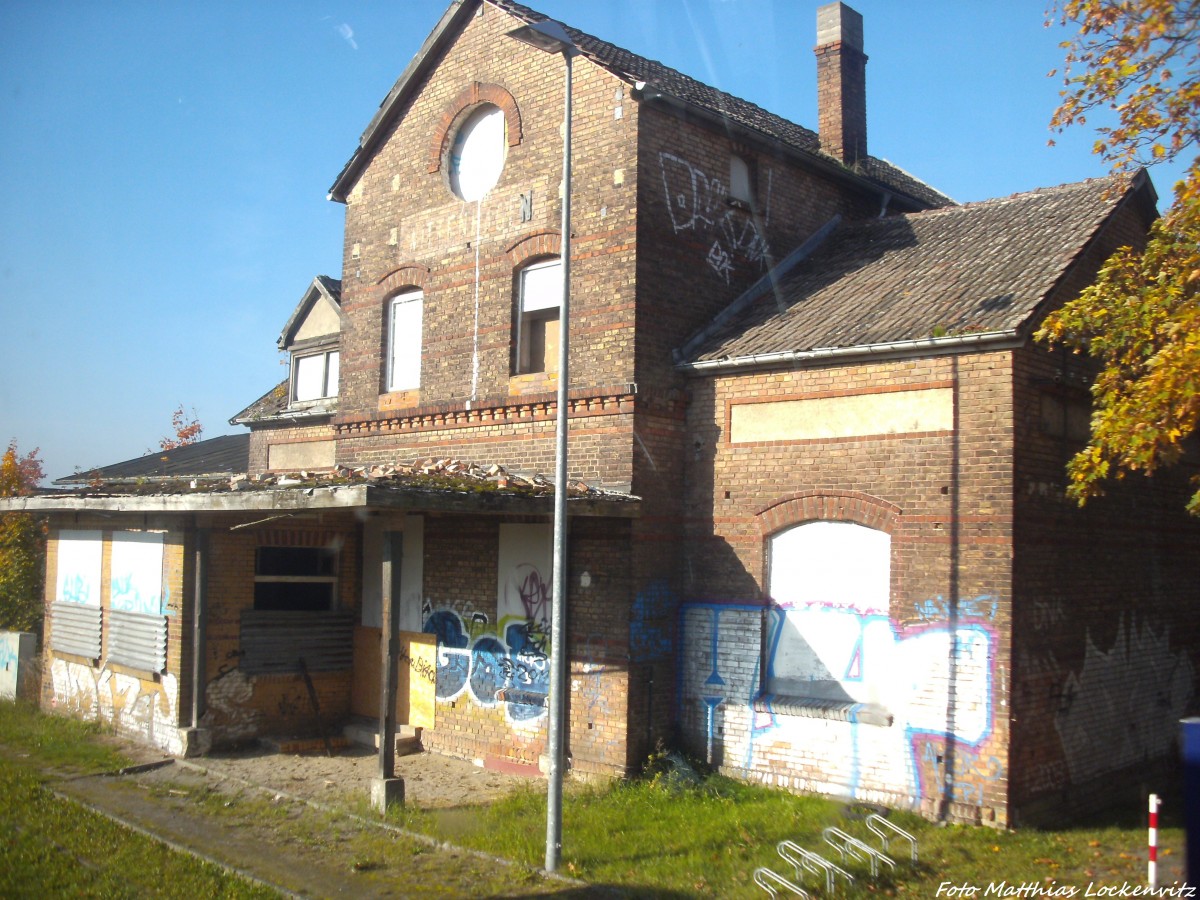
(526, 320)
(323, 555)
(394, 381)
(328, 354)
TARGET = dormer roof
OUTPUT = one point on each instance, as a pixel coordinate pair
(324, 296)
(652, 82)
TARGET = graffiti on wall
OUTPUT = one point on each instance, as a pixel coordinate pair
(1134, 693)
(502, 662)
(139, 707)
(934, 681)
(699, 203)
(649, 634)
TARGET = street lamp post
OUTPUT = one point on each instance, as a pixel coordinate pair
(550, 37)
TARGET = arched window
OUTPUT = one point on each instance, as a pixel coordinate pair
(539, 297)
(404, 341)
(831, 637)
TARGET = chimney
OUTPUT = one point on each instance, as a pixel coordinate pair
(841, 83)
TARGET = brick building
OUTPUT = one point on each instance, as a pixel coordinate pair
(816, 526)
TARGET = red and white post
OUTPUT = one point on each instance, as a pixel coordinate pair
(1152, 864)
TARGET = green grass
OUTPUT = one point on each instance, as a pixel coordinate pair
(56, 848)
(56, 741)
(706, 840)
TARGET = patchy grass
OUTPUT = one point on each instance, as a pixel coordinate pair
(54, 847)
(707, 838)
(58, 742)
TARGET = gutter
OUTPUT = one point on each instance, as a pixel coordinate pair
(940, 346)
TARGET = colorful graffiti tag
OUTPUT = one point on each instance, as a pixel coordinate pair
(933, 682)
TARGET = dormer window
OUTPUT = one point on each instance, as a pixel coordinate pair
(315, 376)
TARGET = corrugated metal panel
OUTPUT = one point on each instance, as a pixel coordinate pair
(75, 628)
(276, 641)
(137, 640)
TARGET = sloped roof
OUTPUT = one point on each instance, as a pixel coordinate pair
(221, 456)
(273, 403)
(977, 269)
(634, 69)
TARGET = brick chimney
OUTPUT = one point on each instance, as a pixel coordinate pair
(841, 83)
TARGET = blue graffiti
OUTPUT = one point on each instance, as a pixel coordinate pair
(488, 672)
(648, 636)
(495, 671)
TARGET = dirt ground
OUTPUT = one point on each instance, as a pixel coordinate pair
(431, 781)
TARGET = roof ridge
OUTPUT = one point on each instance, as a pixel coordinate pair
(737, 109)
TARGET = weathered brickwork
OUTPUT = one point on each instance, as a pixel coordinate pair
(492, 674)
(944, 498)
(240, 706)
(1006, 628)
(1104, 598)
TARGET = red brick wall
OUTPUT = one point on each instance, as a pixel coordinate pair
(948, 499)
(1105, 596)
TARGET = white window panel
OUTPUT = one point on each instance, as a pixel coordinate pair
(333, 369)
(542, 286)
(477, 154)
(78, 576)
(135, 584)
(404, 342)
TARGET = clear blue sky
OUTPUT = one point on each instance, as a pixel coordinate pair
(167, 166)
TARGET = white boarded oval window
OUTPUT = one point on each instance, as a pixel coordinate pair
(477, 154)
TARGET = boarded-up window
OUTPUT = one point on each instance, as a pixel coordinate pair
(541, 291)
(404, 341)
(75, 612)
(137, 629)
(295, 579)
(831, 637)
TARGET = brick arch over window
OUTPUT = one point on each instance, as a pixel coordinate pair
(828, 506)
(402, 278)
(542, 243)
(472, 95)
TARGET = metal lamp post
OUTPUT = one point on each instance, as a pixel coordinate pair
(550, 37)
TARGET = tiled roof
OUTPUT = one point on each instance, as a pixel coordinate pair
(223, 456)
(632, 68)
(272, 403)
(978, 268)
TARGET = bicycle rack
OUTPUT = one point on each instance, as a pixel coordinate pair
(764, 876)
(885, 831)
(806, 861)
(856, 849)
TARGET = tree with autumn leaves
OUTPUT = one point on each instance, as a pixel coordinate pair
(22, 544)
(1141, 318)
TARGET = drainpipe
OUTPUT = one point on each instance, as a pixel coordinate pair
(199, 614)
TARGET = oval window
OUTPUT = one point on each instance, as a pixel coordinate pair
(477, 154)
